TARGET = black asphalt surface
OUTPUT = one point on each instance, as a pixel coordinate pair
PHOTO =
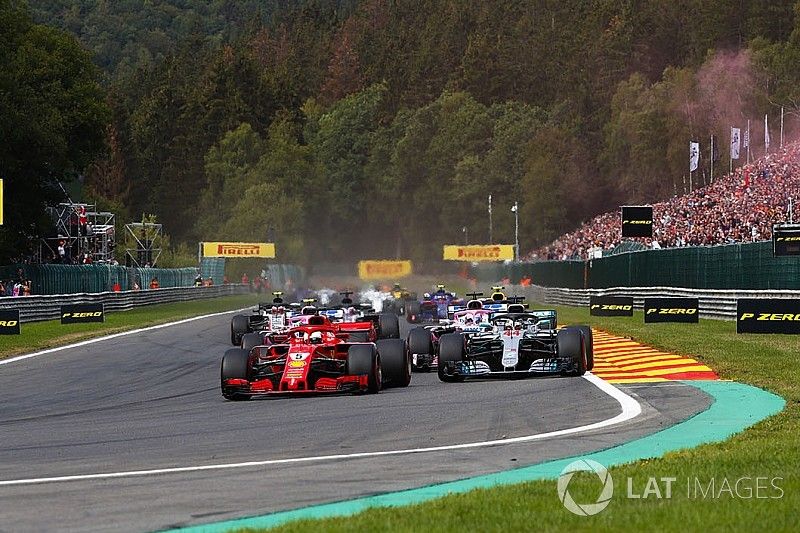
(151, 400)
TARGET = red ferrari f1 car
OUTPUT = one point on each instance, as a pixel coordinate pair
(318, 357)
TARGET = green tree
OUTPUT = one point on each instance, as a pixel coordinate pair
(54, 119)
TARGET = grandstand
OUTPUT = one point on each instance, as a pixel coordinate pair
(740, 207)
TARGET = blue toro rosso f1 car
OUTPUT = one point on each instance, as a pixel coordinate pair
(433, 307)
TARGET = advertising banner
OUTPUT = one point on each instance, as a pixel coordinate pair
(610, 306)
(476, 252)
(671, 310)
(383, 270)
(80, 313)
(239, 249)
(785, 239)
(637, 221)
(763, 315)
(9, 322)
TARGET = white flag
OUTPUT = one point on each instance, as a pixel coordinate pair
(746, 140)
(766, 132)
(735, 143)
(694, 156)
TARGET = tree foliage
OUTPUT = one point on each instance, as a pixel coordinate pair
(349, 129)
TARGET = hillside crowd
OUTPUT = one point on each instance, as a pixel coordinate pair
(740, 207)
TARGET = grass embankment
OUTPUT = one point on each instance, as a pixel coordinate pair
(47, 334)
(769, 450)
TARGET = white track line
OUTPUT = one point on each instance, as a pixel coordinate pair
(114, 336)
(630, 409)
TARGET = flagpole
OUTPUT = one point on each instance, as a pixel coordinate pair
(781, 127)
(690, 166)
(748, 141)
(711, 179)
(730, 153)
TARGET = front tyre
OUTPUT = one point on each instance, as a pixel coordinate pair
(571, 345)
(235, 365)
(451, 355)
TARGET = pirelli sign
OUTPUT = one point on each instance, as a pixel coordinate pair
(685, 310)
(768, 315)
(785, 239)
(80, 313)
(637, 221)
(383, 270)
(487, 252)
(610, 306)
(9, 322)
(264, 250)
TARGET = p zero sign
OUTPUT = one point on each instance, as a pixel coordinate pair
(610, 306)
(785, 239)
(374, 270)
(637, 221)
(80, 313)
(756, 315)
(239, 249)
(487, 252)
(9, 322)
(671, 310)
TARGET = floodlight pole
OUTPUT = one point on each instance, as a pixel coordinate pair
(490, 219)
(516, 230)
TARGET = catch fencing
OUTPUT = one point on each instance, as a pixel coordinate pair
(48, 307)
(736, 266)
(717, 304)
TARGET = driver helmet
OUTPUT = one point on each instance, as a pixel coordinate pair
(315, 337)
(427, 296)
(469, 319)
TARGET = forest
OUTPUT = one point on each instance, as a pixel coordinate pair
(377, 128)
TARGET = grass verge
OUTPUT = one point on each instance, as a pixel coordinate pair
(763, 456)
(50, 333)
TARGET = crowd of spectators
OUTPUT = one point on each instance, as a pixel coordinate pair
(740, 207)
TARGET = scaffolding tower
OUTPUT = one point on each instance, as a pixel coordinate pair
(146, 237)
(95, 237)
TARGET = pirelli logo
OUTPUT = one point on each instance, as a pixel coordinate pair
(640, 222)
(239, 249)
(768, 315)
(9, 322)
(80, 313)
(671, 310)
(610, 306)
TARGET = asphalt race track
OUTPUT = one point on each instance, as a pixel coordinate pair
(151, 401)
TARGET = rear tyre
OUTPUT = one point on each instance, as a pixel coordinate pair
(571, 344)
(451, 352)
(251, 340)
(588, 342)
(235, 365)
(412, 312)
(395, 362)
(420, 341)
(240, 325)
(363, 359)
(389, 326)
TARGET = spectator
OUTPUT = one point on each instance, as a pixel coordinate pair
(135, 286)
(739, 207)
(198, 280)
(154, 283)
